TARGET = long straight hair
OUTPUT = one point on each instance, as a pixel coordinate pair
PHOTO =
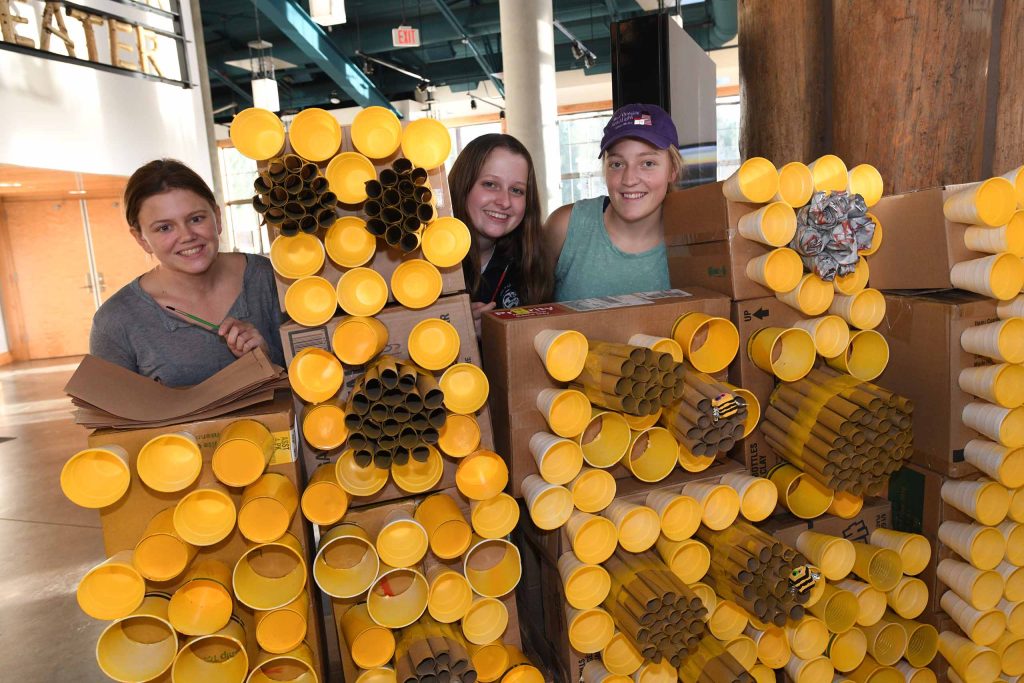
(525, 242)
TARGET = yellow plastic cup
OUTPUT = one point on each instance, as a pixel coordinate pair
(485, 621)
(981, 546)
(549, 505)
(872, 671)
(447, 530)
(357, 339)
(605, 439)
(846, 505)
(323, 500)
(348, 242)
(297, 665)
(1013, 611)
(649, 672)
(481, 475)
(689, 560)
(758, 496)
(270, 575)
(433, 344)
(1006, 238)
(558, 460)
(787, 353)
(865, 180)
(680, 515)
(837, 608)
(727, 620)
(755, 181)
(161, 554)
(966, 656)
(585, 585)
(490, 660)
(912, 674)
(1000, 276)
(652, 454)
(169, 463)
(416, 283)
(720, 502)
(914, 550)
(1005, 425)
(830, 174)
(566, 411)
(445, 242)
(520, 669)
(593, 538)
(799, 493)
(402, 540)
(659, 344)
(854, 282)
(257, 133)
(323, 425)
(98, 476)
(589, 630)
(986, 501)
(426, 143)
(140, 646)
(112, 589)
(812, 295)
(871, 602)
(1017, 506)
(347, 174)
(398, 597)
(982, 589)
(1002, 341)
(206, 515)
(753, 407)
(863, 310)
(637, 526)
(619, 656)
(267, 508)
(465, 388)
(459, 436)
(830, 332)
(495, 517)
(315, 134)
(811, 670)
(376, 132)
(310, 301)
(796, 184)
(449, 595)
(1002, 384)
(1016, 177)
(203, 604)
(909, 598)
(807, 637)
(1011, 309)
(419, 477)
(243, 452)
(832, 554)
(283, 629)
(592, 489)
(990, 203)
(297, 256)
(220, 657)
(881, 567)
(779, 270)
(846, 651)
(362, 292)
(563, 353)
(773, 224)
(1010, 648)
(358, 480)
(346, 562)
(492, 566)
(983, 627)
(771, 643)
(1013, 532)
(866, 356)
(708, 342)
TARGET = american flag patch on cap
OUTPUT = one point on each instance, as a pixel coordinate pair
(642, 120)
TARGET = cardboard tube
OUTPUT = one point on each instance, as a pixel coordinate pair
(832, 554)
(787, 353)
(796, 184)
(708, 342)
(755, 181)
(659, 344)
(810, 670)
(481, 475)
(652, 454)
(620, 657)
(830, 332)
(837, 608)
(112, 589)
(1007, 238)
(315, 375)
(758, 496)
(140, 646)
(558, 459)
(986, 501)
(593, 538)
(203, 604)
(567, 411)
(990, 203)
(689, 559)
(433, 344)
(727, 620)
(980, 545)
(808, 637)
(549, 504)
(492, 566)
(605, 439)
(909, 598)
(720, 502)
(863, 310)
(323, 500)
(358, 480)
(866, 356)
(773, 224)
(982, 589)
(779, 270)
(865, 180)
(1005, 425)
(829, 173)
(485, 621)
(563, 353)
(267, 508)
(296, 664)
(585, 585)
(220, 657)
(592, 489)
(983, 627)
(161, 553)
(589, 630)
(846, 651)
(283, 629)
(169, 462)
(799, 493)
(638, 526)
(1000, 276)
(96, 477)
(680, 515)
(1002, 341)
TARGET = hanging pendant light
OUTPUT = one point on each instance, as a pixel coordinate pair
(327, 12)
(261, 63)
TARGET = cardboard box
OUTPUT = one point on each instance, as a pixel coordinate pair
(125, 521)
(517, 373)
(876, 514)
(919, 246)
(399, 321)
(925, 359)
(704, 245)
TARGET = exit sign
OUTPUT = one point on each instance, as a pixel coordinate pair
(405, 36)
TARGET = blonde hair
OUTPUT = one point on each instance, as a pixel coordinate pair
(677, 165)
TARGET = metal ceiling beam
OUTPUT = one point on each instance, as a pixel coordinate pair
(297, 26)
(447, 13)
(230, 84)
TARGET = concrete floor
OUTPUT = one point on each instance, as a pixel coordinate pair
(47, 542)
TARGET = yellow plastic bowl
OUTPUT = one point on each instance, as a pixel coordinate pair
(315, 375)
(376, 132)
(416, 283)
(297, 256)
(257, 133)
(433, 344)
(348, 242)
(362, 292)
(347, 175)
(310, 301)
(426, 143)
(445, 242)
(465, 388)
(315, 134)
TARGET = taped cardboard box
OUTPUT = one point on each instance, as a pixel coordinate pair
(704, 245)
(925, 360)
(125, 521)
(399, 321)
(517, 373)
(876, 514)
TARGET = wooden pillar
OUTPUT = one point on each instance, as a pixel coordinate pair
(1009, 134)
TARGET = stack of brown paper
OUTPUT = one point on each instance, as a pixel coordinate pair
(110, 396)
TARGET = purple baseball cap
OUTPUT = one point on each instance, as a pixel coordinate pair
(647, 122)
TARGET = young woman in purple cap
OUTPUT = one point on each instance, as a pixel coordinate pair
(616, 244)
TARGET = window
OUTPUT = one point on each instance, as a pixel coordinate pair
(579, 137)
(728, 109)
(242, 229)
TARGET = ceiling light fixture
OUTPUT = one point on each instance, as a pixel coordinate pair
(327, 12)
(580, 52)
(261, 59)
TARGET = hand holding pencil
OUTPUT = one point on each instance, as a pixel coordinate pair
(241, 337)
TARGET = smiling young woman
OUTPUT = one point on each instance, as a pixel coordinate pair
(616, 244)
(172, 214)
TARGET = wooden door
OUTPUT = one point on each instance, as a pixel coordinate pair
(118, 257)
(52, 278)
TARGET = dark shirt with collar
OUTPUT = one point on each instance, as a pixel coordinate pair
(503, 260)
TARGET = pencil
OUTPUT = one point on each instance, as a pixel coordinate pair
(212, 327)
(501, 280)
